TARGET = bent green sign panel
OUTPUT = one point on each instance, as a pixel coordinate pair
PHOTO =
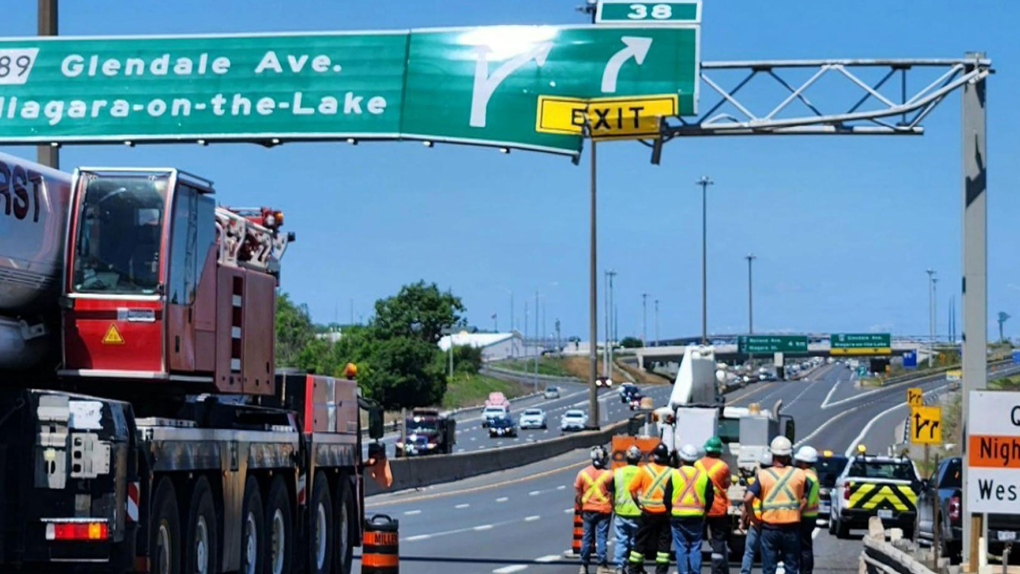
(468, 85)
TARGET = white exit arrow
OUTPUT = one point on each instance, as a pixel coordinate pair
(485, 85)
(635, 47)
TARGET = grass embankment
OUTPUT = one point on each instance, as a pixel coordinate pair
(577, 367)
(468, 390)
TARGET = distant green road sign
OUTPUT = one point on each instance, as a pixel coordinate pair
(761, 344)
(860, 344)
(467, 85)
(648, 13)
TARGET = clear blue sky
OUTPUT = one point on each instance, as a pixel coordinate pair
(843, 228)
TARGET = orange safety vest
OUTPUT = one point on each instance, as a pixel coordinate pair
(650, 487)
(782, 489)
(593, 485)
(719, 473)
(689, 484)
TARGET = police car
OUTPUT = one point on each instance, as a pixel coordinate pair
(871, 485)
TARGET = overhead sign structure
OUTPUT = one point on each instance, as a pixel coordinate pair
(860, 344)
(993, 453)
(468, 85)
(915, 397)
(925, 425)
(648, 13)
(759, 344)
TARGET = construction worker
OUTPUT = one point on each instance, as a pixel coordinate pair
(654, 535)
(594, 488)
(805, 459)
(718, 523)
(625, 524)
(752, 543)
(690, 494)
(782, 490)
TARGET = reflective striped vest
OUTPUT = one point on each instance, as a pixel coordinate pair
(624, 505)
(782, 489)
(719, 473)
(811, 511)
(594, 488)
(650, 487)
(689, 485)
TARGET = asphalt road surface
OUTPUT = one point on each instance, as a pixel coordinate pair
(521, 520)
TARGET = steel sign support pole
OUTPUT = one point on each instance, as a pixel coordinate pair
(593, 295)
(975, 269)
(48, 155)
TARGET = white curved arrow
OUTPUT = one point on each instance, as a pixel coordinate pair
(485, 85)
(635, 47)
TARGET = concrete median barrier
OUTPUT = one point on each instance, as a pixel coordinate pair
(437, 469)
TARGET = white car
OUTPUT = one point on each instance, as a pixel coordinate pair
(573, 420)
(532, 419)
(489, 413)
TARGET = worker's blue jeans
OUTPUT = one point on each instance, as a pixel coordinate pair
(752, 544)
(687, 537)
(625, 529)
(598, 525)
(780, 543)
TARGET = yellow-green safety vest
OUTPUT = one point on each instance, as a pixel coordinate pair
(624, 505)
(689, 484)
(811, 510)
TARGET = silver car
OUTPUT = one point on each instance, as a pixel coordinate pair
(532, 419)
(552, 393)
(573, 420)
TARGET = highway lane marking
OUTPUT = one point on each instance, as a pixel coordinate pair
(801, 394)
(465, 505)
(568, 511)
(829, 396)
(871, 423)
(509, 569)
(502, 499)
(418, 537)
(547, 559)
(534, 493)
(561, 487)
(814, 533)
(544, 474)
(923, 381)
(482, 527)
(531, 518)
(412, 512)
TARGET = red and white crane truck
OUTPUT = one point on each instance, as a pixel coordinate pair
(143, 426)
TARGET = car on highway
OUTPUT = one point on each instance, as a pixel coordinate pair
(828, 469)
(533, 419)
(626, 390)
(551, 393)
(871, 485)
(606, 382)
(503, 426)
(491, 412)
(573, 420)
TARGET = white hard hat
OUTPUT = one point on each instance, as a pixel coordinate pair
(689, 453)
(766, 459)
(781, 446)
(807, 454)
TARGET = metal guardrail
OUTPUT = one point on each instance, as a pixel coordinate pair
(885, 552)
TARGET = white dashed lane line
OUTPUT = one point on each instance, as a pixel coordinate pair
(510, 569)
(412, 512)
(465, 505)
(502, 499)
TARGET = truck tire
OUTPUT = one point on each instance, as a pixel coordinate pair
(201, 542)
(842, 529)
(345, 518)
(279, 536)
(165, 530)
(253, 527)
(321, 539)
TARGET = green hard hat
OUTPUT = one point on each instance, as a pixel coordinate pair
(714, 445)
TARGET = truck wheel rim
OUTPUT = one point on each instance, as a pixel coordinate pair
(321, 535)
(201, 546)
(164, 547)
(279, 541)
(343, 532)
(251, 544)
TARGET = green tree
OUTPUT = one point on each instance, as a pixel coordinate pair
(467, 359)
(419, 312)
(631, 343)
(294, 331)
(405, 372)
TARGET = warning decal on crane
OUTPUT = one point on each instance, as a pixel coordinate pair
(112, 336)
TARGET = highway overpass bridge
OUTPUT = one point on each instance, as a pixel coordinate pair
(729, 352)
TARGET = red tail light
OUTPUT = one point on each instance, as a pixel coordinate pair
(954, 509)
(846, 491)
(77, 531)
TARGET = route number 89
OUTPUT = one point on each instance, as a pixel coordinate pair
(658, 12)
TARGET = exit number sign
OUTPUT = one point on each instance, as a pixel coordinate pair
(645, 13)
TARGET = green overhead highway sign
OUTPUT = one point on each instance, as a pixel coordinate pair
(648, 13)
(468, 85)
(860, 344)
(761, 344)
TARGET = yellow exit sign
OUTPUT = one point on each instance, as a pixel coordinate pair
(609, 118)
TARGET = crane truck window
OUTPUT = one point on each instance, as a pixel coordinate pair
(120, 227)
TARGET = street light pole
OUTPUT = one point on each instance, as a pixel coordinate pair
(537, 352)
(644, 319)
(656, 322)
(931, 317)
(704, 182)
(750, 294)
(605, 342)
(612, 322)
(593, 295)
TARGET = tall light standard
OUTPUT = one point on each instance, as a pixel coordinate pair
(931, 317)
(644, 319)
(608, 352)
(656, 322)
(704, 182)
(750, 297)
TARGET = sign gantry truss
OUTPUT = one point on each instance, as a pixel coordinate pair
(882, 106)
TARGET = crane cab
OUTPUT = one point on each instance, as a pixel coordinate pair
(164, 286)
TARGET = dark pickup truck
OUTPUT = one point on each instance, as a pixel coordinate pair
(944, 489)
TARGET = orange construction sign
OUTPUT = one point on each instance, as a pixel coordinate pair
(622, 443)
(993, 451)
(112, 336)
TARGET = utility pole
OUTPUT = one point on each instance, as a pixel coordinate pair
(559, 347)
(512, 311)
(1003, 317)
(48, 155)
(704, 182)
(931, 317)
(656, 322)
(750, 297)
(605, 343)
(537, 351)
(644, 319)
(525, 332)
(934, 310)
(612, 329)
